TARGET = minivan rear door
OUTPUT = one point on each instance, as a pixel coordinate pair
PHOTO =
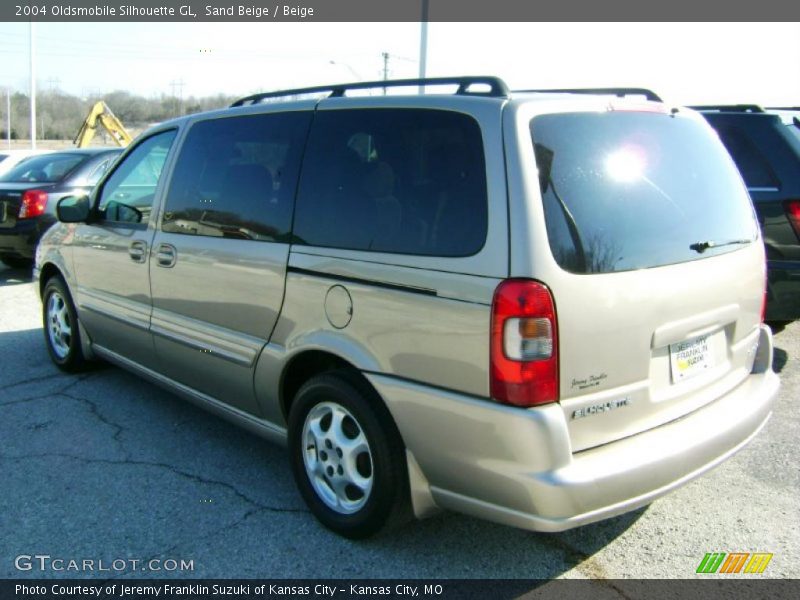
(653, 259)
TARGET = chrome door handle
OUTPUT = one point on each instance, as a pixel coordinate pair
(167, 255)
(137, 251)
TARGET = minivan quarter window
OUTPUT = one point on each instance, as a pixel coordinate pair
(407, 181)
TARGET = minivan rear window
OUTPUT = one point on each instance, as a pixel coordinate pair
(634, 190)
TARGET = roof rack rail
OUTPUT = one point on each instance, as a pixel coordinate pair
(783, 108)
(497, 88)
(611, 91)
(747, 108)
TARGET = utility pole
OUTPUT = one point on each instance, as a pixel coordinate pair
(385, 56)
(423, 43)
(33, 86)
(178, 84)
(8, 117)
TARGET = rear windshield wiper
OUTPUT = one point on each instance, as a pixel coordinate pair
(701, 247)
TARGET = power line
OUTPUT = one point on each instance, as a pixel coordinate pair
(135, 55)
(138, 50)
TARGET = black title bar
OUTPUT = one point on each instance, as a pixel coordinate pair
(274, 11)
(711, 588)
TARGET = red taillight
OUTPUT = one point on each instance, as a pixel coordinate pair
(793, 214)
(33, 204)
(524, 344)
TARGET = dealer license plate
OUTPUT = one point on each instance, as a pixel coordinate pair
(690, 358)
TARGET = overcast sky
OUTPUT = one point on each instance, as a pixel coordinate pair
(685, 63)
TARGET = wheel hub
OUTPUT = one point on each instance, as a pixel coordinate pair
(60, 328)
(337, 457)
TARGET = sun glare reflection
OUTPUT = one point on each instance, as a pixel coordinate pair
(626, 165)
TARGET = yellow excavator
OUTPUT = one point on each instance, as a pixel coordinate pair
(100, 113)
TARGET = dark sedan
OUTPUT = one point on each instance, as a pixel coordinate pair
(30, 191)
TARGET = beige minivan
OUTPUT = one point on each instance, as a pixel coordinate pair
(539, 308)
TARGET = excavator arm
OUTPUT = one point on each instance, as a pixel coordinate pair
(100, 113)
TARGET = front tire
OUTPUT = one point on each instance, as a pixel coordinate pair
(346, 455)
(61, 331)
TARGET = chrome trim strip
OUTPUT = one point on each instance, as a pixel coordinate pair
(114, 307)
(360, 280)
(238, 348)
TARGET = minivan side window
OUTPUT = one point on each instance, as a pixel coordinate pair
(235, 177)
(127, 195)
(407, 181)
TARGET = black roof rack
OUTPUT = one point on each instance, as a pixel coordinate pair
(783, 108)
(747, 108)
(611, 91)
(497, 88)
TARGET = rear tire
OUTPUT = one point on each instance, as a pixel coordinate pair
(61, 331)
(347, 456)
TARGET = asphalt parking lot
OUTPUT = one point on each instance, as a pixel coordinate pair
(104, 466)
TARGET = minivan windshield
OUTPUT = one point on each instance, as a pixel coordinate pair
(632, 190)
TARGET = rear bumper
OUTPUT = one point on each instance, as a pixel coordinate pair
(20, 240)
(783, 290)
(516, 466)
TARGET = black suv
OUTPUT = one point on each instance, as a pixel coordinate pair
(765, 144)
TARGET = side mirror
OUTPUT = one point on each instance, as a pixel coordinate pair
(122, 213)
(73, 209)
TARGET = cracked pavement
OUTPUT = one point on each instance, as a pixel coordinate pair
(106, 466)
